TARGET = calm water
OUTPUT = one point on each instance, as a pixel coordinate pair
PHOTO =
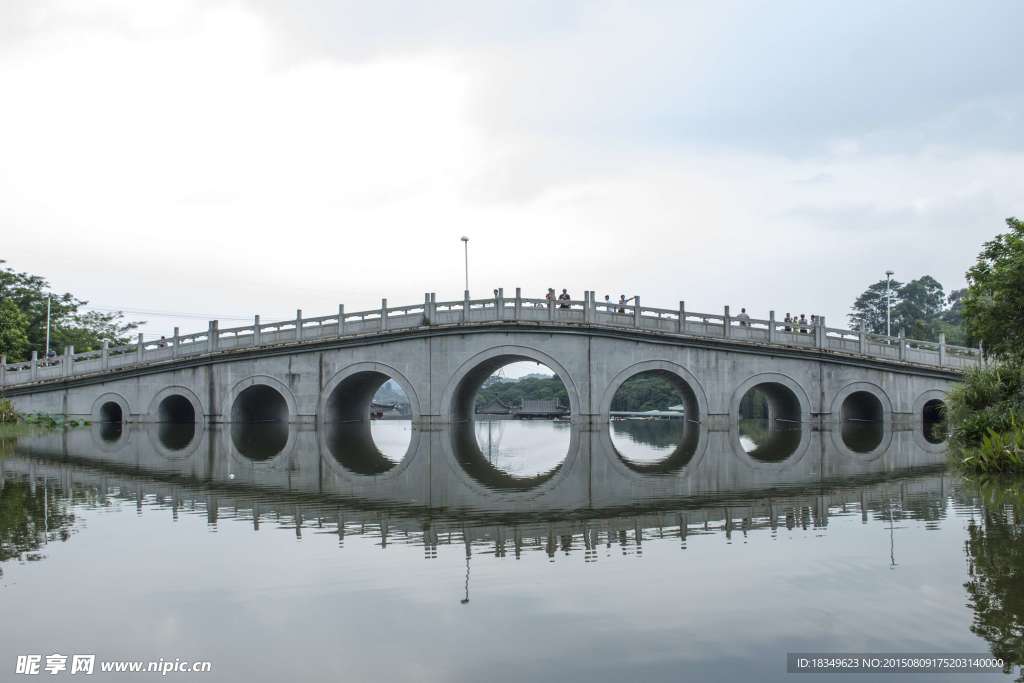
(650, 550)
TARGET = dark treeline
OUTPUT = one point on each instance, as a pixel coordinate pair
(636, 394)
(920, 308)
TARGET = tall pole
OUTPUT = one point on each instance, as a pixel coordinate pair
(888, 304)
(465, 244)
(47, 352)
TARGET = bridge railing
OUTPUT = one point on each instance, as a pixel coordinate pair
(515, 308)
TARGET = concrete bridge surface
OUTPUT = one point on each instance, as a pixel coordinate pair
(327, 369)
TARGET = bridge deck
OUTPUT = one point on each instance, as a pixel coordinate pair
(679, 324)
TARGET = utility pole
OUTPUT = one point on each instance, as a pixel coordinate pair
(465, 243)
(46, 353)
(888, 304)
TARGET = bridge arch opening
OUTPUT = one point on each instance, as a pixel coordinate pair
(259, 417)
(769, 422)
(863, 421)
(368, 422)
(511, 422)
(933, 418)
(654, 422)
(111, 412)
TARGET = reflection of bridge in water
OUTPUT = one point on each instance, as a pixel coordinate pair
(445, 486)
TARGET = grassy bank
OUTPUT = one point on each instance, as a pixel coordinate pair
(986, 415)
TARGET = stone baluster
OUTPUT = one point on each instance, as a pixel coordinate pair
(34, 373)
(551, 309)
(176, 341)
(903, 346)
(771, 327)
(636, 312)
(681, 323)
(3, 369)
(140, 350)
(298, 324)
(499, 304)
(69, 352)
(105, 355)
(862, 338)
(587, 303)
(942, 349)
(383, 315)
(519, 303)
(465, 306)
(426, 310)
(341, 320)
(211, 336)
(257, 334)
(727, 323)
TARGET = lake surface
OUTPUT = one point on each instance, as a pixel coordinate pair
(644, 550)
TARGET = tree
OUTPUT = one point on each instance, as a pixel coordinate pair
(13, 330)
(920, 308)
(993, 307)
(869, 308)
(85, 330)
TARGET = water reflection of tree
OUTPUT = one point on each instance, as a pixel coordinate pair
(664, 433)
(29, 517)
(995, 554)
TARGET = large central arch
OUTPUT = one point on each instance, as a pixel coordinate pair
(459, 396)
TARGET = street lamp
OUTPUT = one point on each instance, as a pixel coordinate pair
(465, 244)
(888, 304)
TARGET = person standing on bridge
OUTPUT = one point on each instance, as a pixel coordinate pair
(622, 303)
(803, 323)
(550, 296)
(743, 318)
(788, 319)
(564, 298)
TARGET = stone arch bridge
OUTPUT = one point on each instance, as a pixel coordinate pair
(312, 370)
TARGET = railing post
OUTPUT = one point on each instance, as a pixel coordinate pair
(499, 304)
(383, 315)
(35, 365)
(727, 323)
(174, 343)
(69, 352)
(140, 349)
(298, 324)
(862, 340)
(587, 301)
(257, 336)
(771, 327)
(636, 312)
(519, 303)
(105, 355)
(465, 306)
(942, 349)
(903, 346)
(551, 309)
(426, 309)
(211, 336)
(341, 319)
(681, 323)
(3, 369)
(820, 332)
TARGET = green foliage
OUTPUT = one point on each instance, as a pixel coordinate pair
(7, 414)
(512, 392)
(986, 414)
(995, 553)
(13, 330)
(919, 308)
(993, 306)
(647, 391)
(20, 334)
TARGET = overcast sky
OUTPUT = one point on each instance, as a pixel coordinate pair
(229, 158)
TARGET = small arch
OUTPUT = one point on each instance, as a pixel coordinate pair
(861, 402)
(260, 412)
(688, 384)
(457, 401)
(168, 406)
(111, 413)
(770, 410)
(110, 408)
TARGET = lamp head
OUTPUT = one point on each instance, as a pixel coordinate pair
(888, 273)
(464, 238)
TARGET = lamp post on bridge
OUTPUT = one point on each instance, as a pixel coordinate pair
(888, 304)
(465, 244)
